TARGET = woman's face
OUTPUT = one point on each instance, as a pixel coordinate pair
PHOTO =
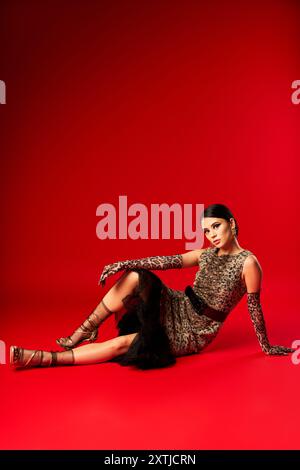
(218, 229)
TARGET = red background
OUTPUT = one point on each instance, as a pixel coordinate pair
(165, 102)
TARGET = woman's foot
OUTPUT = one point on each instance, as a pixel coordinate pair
(88, 331)
(21, 358)
(79, 336)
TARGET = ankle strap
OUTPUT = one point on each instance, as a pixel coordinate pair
(53, 358)
(55, 361)
(106, 307)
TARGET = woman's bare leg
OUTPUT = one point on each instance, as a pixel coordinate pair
(101, 352)
(113, 298)
(110, 303)
(21, 358)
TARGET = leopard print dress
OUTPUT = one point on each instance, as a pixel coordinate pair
(219, 284)
(168, 323)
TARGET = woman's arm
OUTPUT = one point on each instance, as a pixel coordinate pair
(253, 278)
(153, 262)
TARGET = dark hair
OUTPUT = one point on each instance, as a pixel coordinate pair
(219, 211)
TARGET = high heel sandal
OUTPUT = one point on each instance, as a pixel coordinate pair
(21, 358)
(86, 336)
(87, 332)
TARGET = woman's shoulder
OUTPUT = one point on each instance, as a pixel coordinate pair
(251, 260)
(202, 253)
(209, 249)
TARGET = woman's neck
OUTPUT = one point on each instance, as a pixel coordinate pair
(230, 249)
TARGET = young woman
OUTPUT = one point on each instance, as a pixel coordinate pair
(161, 323)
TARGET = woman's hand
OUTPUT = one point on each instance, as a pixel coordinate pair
(279, 350)
(109, 270)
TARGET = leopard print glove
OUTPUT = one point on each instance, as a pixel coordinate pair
(280, 351)
(256, 313)
(152, 262)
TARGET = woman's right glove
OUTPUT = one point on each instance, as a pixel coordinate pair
(152, 262)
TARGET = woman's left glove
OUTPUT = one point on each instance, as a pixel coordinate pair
(279, 351)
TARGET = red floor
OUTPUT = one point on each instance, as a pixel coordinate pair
(231, 396)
